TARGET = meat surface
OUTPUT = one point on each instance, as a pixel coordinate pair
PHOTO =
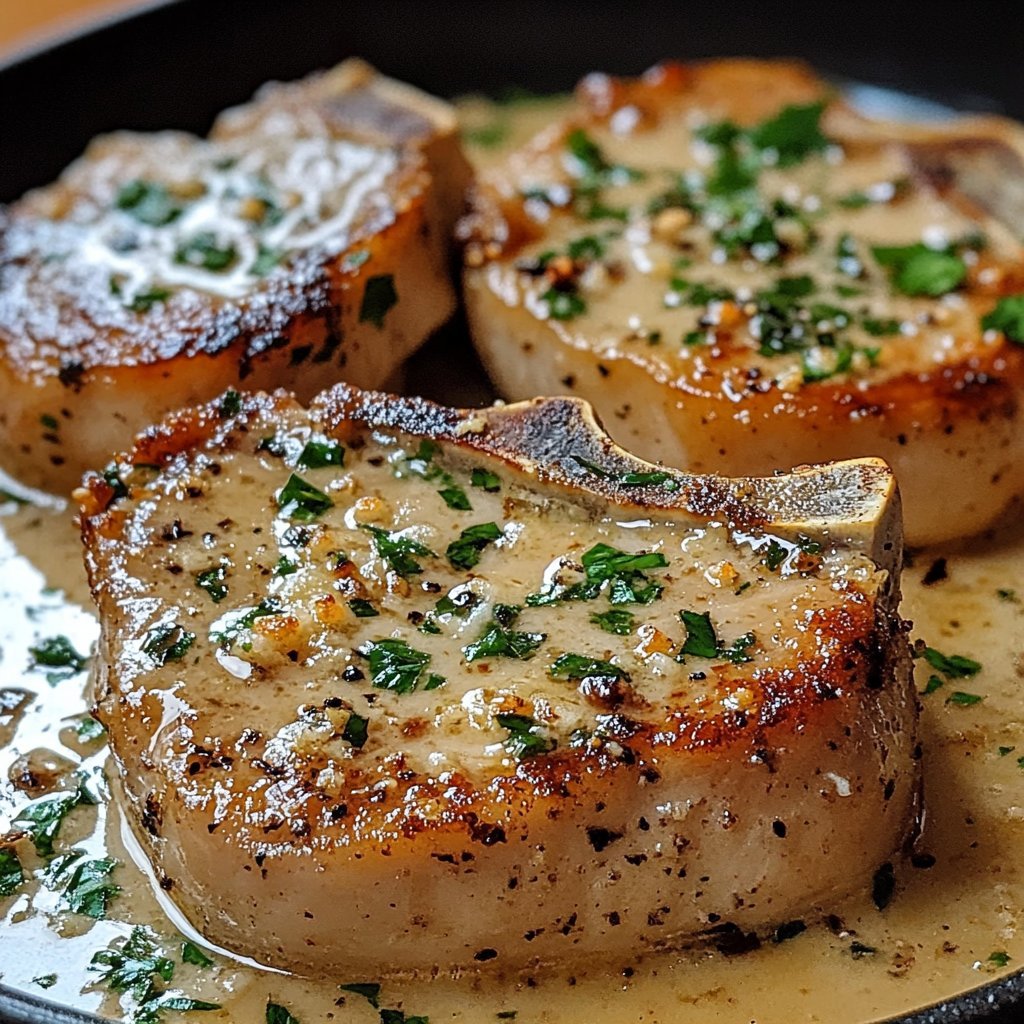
(741, 274)
(305, 241)
(395, 688)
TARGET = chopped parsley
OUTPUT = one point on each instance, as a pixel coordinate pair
(192, 954)
(398, 551)
(499, 640)
(701, 641)
(1008, 317)
(525, 736)
(485, 480)
(564, 303)
(143, 302)
(369, 990)
(362, 609)
(999, 958)
(266, 260)
(356, 729)
(919, 270)
(212, 581)
(301, 501)
(964, 700)
(88, 889)
(42, 819)
(148, 202)
(11, 874)
(58, 654)
(577, 668)
(204, 251)
(87, 729)
(166, 643)
(456, 498)
(792, 135)
(615, 620)
(277, 1014)
(318, 454)
(464, 552)
(952, 666)
(394, 665)
(378, 299)
(399, 1017)
(238, 621)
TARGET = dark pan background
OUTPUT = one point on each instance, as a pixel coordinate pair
(178, 64)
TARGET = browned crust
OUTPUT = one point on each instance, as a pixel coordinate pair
(95, 333)
(845, 653)
(549, 441)
(978, 164)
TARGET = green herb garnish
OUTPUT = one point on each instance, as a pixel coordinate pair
(485, 480)
(148, 202)
(212, 581)
(616, 620)
(318, 454)
(301, 501)
(499, 640)
(525, 738)
(964, 700)
(919, 270)
(167, 643)
(362, 609)
(356, 730)
(398, 551)
(952, 666)
(464, 553)
(577, 667)
(394, 665)
(378, 299)
(11, 874)
(204, 251)
(192, 954)
(370, 991)
(89, 890)
(456, 498)
(563, 304)
(1008, 317)
(58, 654)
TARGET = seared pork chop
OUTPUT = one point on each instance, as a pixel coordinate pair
(398, 688)
(743, 274)
(305, 242)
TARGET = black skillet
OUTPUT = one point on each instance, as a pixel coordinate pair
(178, 63)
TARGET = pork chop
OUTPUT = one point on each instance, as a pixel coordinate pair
(398, 688)
(742, 274)
(304, 242)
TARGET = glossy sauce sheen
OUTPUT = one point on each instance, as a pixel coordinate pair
(934, 939)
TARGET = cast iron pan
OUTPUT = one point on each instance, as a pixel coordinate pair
(178, 63)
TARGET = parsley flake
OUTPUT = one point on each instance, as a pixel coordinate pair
(525, 738)
(1008, 317)
(394, 665)
(398, 551)
(465, 551)
(378, 299)
(919, 270)
(166, 643)
(301, 501)
(11, 874)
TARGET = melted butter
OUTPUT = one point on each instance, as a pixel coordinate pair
(933, 940)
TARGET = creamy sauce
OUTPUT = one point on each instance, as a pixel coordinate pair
(935, 938)
(142, 217)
